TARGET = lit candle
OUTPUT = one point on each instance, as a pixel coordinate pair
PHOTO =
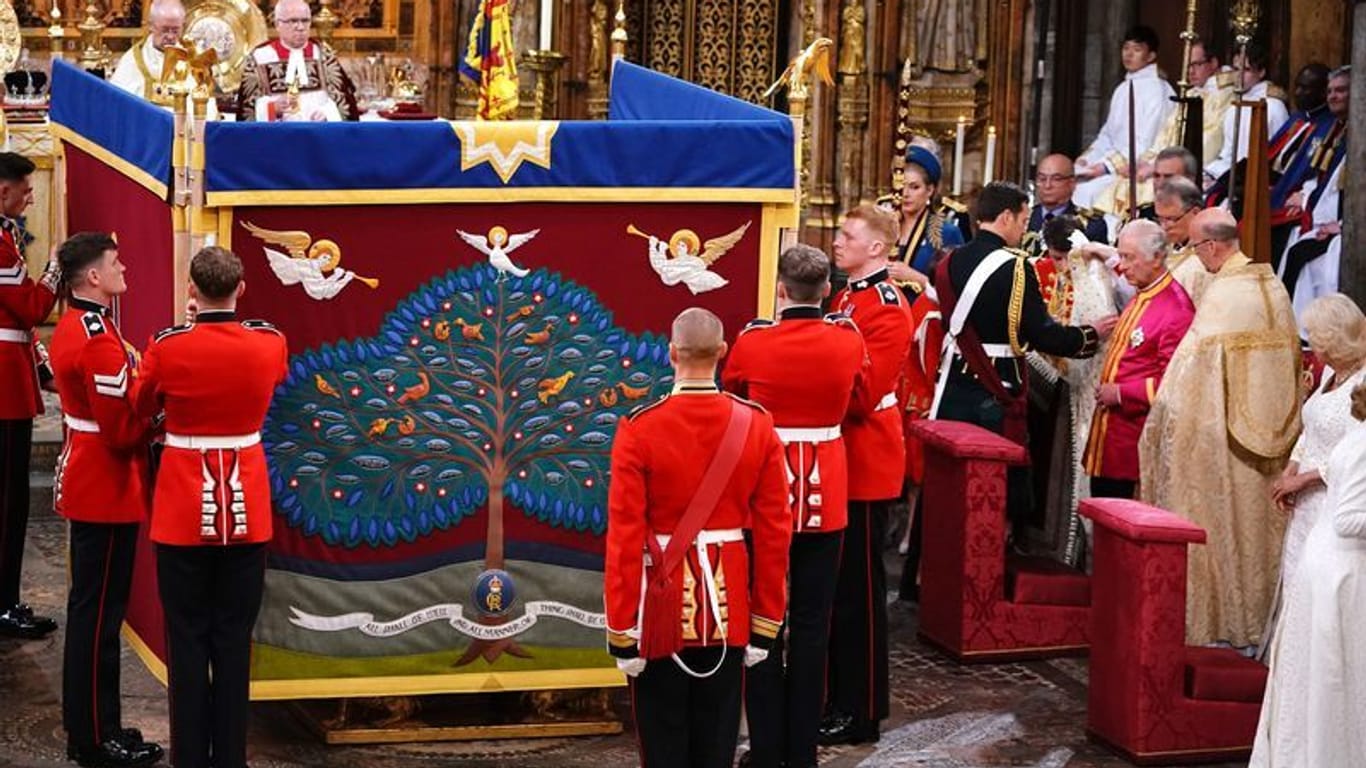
(988, 172)
(958, 156)
(547, 19)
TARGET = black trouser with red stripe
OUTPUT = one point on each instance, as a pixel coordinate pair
(684, 721)
(783, 702)
(211, 595)
(16, 437)
(858, 635)
(101, 574)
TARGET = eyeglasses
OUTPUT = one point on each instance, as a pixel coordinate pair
(294, 22)
(1056, 178)
(1199, 62)
(1196, 246)
(1174, 219)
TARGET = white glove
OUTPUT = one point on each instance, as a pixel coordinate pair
(631, 667)
(754, 655)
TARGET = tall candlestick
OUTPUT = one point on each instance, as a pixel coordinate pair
(989, 171)
(547, 20)
(958, 156)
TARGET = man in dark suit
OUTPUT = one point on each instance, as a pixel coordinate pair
(1055, 181)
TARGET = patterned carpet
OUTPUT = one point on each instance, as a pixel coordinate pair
(943, 714)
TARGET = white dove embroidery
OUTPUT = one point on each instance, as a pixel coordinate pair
(497, 245)
(314, 264)
(679, 260)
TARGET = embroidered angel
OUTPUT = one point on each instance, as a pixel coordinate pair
(314, 264)
(685, 259)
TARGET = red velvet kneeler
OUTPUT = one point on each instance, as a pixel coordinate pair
(1144, 680)
(964, 606)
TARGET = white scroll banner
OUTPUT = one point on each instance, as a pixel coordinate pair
(452, 614)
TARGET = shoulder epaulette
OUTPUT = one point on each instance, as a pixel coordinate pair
(953, 205)
(889, 202)
(94, 324)
(260, 325)
(888, 293)
(639, 409)
(1086, 214)
(172, 331)
(842, 320)
(750, 403)
(758, 322)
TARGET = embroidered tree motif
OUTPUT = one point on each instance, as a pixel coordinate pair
(475, 391)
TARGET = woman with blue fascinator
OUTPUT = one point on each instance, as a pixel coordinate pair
(925, 233)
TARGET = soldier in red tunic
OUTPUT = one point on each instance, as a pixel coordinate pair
(1149, 330)
(693, 475)
(877, 468)
(24, 303)
(211, 509)
(100, 488)
(809, 370)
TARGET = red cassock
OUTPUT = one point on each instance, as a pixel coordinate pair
(101, 472)
(927, 345)
(876, 442)
(214, 379)
(1143, 343)
(659, 456)
(809, 372)
(24, 303)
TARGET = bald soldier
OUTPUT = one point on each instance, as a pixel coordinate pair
(688, 603)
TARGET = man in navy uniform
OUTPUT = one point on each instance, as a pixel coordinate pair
(1055, 180)
(994, 312)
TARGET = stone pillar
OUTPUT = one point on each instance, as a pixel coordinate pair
(1352, 279)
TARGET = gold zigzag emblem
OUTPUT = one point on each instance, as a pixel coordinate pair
(505, 145)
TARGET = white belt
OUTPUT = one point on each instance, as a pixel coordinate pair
(14, 335)
(705, 537)
(212, 442)
(888, 401)
(808, 434)
(998, 350)
(81, 425)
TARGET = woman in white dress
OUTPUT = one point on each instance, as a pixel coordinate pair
(1337, 333)
(1314, 712)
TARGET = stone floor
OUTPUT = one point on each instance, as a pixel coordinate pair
(943, 714)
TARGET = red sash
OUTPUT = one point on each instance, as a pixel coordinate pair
(661, 632)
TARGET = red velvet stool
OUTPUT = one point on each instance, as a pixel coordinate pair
(1152, 698)
(976, 604)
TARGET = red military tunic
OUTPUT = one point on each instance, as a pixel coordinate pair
(809, 372)
(214, 378)
(927, 346)
(1143, 343)
(659, 456)
(24, 304)
(876, 442)
(100, 474)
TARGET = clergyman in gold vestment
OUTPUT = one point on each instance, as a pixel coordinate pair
(1219, 432)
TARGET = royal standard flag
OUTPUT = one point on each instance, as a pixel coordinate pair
(489, 61)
